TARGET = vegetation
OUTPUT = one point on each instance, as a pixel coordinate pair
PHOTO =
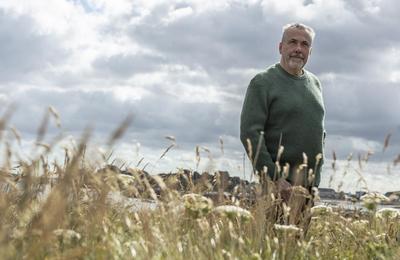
(67, 211)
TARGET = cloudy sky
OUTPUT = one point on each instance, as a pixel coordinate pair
(181, 68)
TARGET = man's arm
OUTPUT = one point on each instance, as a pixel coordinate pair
(252, 121)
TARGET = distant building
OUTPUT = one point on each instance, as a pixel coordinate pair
(359, 194)
(327, 193)
(393, 195)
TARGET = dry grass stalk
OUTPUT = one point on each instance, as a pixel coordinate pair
(76, 219)
(166, 151)
(4, 120)
(197, 158)
(117, 134)
(221, 143)
(41, 132)
(397, 160)
(386, 142)
(56, 116)
(16, 134)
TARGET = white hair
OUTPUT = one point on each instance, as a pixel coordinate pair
(299, 26)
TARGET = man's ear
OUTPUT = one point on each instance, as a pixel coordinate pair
(280, 48)
(310, 51)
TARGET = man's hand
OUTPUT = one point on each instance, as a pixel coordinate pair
(284, 189)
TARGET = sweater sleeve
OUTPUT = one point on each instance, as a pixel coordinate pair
(252, 121)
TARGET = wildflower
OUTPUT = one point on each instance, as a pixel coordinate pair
(255, 256)
(360, 224)
(381, 237)
(377, 197)
(288, 228)
(321, 210)
(197, 205)
(370, 200)
(67, 236)
(233, 212)
(388, 214)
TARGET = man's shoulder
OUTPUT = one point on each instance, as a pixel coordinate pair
(311, 75)
(267, 75)
(313, 78)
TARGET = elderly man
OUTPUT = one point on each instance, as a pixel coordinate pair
(282, 120)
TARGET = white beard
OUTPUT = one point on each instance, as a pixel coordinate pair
(295, 63)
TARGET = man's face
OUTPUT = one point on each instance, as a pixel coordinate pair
(295, 49)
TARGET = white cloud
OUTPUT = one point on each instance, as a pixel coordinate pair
(349, 177)
(56, 16)
(391, 58)
(394, 77)
(182, 68)
(115, 8)
(326, 13)
(125, 93)
(176, 14)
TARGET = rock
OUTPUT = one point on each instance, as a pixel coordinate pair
(184, 181)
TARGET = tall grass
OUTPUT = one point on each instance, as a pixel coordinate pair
(68, 211)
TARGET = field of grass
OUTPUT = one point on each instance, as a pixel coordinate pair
(65, 212)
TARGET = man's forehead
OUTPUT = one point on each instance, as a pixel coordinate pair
(298, 34)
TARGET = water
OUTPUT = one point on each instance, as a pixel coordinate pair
(354, 205)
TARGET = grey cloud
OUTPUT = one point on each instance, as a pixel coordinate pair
(77, 110)
(236, 37)
(349, 52)
(241, 37)
(23, 50)
(127, 65)
(189, 122)
(153, 117)
(355, 48)
(245, 37)
(362, 108)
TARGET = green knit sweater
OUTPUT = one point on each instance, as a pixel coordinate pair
(289, 110)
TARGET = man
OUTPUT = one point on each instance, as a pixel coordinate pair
(284, 108)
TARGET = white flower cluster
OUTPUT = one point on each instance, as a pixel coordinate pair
(360, 224)
(67, 236)
(388, 214)
(374, 197)
(370, 200)
(233, 212)
(321, 210)
(197, 205)
(287, 228)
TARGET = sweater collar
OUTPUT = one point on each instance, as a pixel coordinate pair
(284, 72)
